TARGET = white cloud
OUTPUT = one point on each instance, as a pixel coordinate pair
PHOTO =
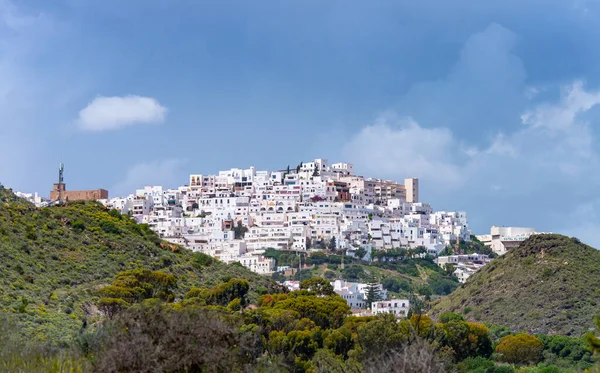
(550, 158)
(164, 172)
(394, 147)
(111, 113)
(575, 100)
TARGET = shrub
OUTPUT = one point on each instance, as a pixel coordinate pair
(520, 349)
(203, 260)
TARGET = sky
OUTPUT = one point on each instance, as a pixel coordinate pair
(493, 105)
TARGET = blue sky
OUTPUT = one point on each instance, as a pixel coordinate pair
(494, 105)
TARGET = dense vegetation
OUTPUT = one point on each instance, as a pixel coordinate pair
(217, 330)
(550, 284)
(55, 258)
(400, 270)
(84, 289)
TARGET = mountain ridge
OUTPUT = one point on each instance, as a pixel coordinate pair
(549, 284)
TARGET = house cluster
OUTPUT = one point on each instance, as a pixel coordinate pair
(465, 265)
(355, 295)
(237, 214)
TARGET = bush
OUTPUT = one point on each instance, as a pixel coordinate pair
(520, 349)
(203, 260)
(395, 284)
(174, 341)
(447, 317)
(476, 363)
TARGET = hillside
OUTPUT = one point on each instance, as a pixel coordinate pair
(400, 275)
(55, 258)
(549, 284)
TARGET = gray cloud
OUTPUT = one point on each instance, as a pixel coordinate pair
(533, 172)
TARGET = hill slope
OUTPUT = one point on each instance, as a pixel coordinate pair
(54, 259)
(549, 284)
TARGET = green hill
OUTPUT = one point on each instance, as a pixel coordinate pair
(55, 258)
(550, 284)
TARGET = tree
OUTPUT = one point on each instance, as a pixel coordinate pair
(592, 339)
(381, 335)
(138, 284)
(360, 253)
(520, 349)
(317, 285)
(317, 257)
(195, 206)
(110, 307)
(395, 284)
(308, 243)
(327, 311)
(373, 292)
(332, 244)
(224, 293)
(239, 231)
(465, 339)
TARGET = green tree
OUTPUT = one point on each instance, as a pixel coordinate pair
(381, 335)
(332, 244)
(139, 284)
(360, 253)
(226, 292)
(318, 257)
(318, 286)
(373, 292)
(592, 339)
(327, 312)
(239, 231)
(520, 349)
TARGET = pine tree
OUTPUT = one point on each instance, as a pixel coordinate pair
(373, 294)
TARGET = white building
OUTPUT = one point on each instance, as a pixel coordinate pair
(463, 258)
(355, 293)
(502, 239)
(397, 307)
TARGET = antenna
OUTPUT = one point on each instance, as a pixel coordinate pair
(61, 185)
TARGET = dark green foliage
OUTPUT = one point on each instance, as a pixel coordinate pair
(203, 260)
(226, 292)
(239, 231)
(566, 351)
(476, 364)
(353, 273)
(360, 253)
(302, 275)
(317, 257)
(447, 317)
(395, 284)
(440, 285)
(372, 294)
(529, 298)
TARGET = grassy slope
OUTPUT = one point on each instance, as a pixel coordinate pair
(54, 259)
(549, 284)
